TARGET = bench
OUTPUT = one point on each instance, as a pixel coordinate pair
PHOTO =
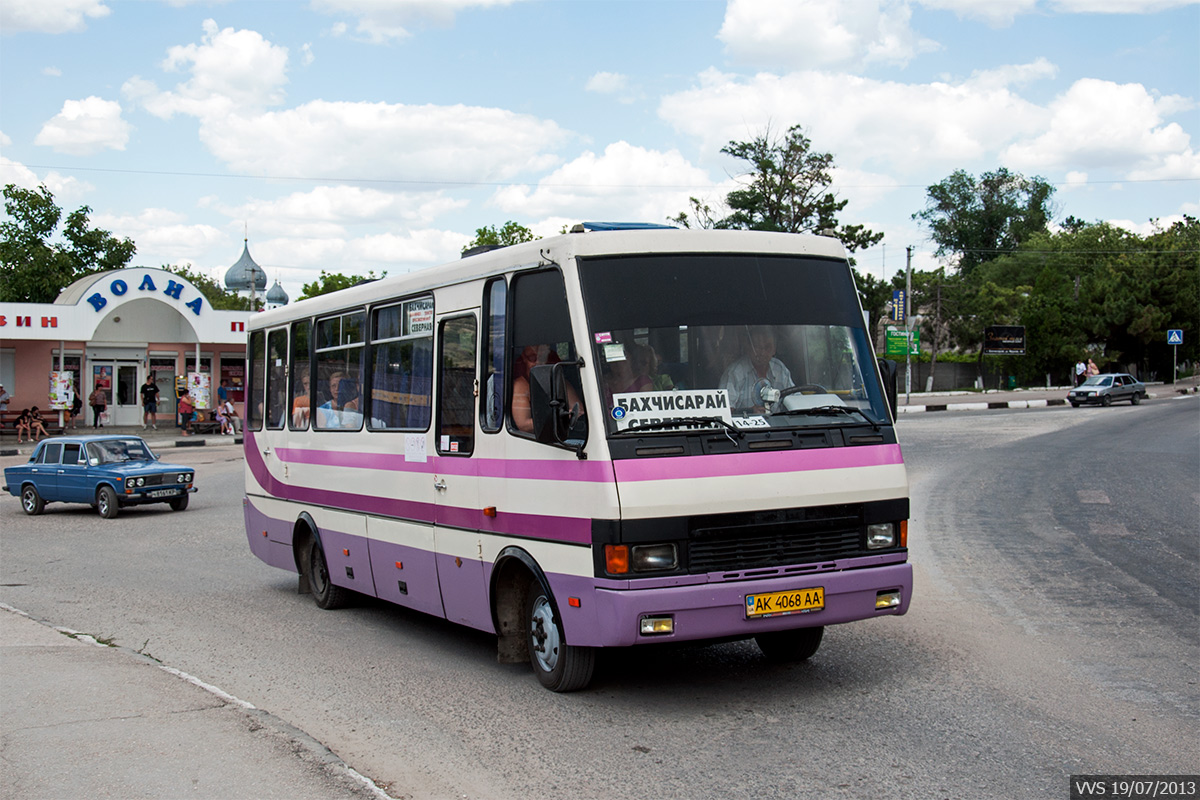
(8, 423)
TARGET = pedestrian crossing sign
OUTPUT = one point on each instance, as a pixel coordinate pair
(1175, 336)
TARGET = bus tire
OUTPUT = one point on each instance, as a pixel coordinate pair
(788, 647)
(327, 595)
(559, 666)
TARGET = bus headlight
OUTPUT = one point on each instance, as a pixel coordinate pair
(881, 535)
(653, 557)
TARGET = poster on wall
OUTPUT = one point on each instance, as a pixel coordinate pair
(235, 374)
(102, 379)
(62, 392)
(200, 388)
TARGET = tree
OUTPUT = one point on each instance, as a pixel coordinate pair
(217, 295)
(787, 189)
(34, 269)
(335, 281)
(978, 221)
(511, 233)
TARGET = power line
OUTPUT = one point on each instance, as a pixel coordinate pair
(440, 182)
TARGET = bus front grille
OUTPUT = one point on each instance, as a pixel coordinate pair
(757, 546)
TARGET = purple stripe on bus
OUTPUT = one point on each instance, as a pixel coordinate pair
(545, 470)
(759, 463)
(552, 528)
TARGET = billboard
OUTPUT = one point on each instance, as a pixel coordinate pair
(1004, 340)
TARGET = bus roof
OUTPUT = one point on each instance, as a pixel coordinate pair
(614, 239)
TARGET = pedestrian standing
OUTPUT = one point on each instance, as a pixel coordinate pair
(1080, 372)
(98, 400)
(5, 398)
(1092, 369)
(187, 410)
(223, 391)
(76, 406)
(150, 403)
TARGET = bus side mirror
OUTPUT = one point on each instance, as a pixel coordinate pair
(541, 402)
(887, 373)
(555, 421)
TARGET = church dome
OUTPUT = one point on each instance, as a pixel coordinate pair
(246, 272)
(277, 296)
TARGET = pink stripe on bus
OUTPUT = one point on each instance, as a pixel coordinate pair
(541, 470)
(720, 466)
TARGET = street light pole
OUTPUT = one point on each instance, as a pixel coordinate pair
(908, 326)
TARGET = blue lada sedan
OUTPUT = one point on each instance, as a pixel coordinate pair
(108, 472)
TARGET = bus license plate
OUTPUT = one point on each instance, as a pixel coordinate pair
(778, 604)
(164, 493)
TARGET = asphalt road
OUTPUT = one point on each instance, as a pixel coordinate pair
(1053, 632)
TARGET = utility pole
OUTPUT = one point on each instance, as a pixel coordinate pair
(908, 326)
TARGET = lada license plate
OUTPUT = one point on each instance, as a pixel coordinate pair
(164, 493)
(778, 604)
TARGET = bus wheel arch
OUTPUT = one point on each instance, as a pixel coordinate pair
(513, 570)
(309, 552)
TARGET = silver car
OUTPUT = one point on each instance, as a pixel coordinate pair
(1108, 388)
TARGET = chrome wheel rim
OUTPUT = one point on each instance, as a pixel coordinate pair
(543, 632)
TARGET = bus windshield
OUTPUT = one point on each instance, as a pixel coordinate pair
(751, 341)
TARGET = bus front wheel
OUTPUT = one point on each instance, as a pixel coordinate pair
(559, 666)
(327, 595)
(790, 646)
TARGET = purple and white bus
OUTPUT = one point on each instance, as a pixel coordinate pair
(622, 436)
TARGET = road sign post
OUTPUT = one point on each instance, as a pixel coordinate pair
(1175, 338)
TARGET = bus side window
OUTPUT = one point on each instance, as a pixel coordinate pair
(541, 334)
(301, 374)
(456, 399)
(257, 379)
(277, 355)
(491, 409)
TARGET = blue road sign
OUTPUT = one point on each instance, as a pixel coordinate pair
(1175, 336)
(897, 305)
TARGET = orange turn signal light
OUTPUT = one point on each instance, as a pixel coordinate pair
(616, 559)
(490, 511)
(904, 533)
(573, 602)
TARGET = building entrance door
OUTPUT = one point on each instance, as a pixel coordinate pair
(119, 380)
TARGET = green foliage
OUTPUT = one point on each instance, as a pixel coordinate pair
(980, 220)
(217, 295)
(335, 281)
(34, 269)
(510, 233)
(786, 188)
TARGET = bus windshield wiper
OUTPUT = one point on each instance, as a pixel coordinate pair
(675, 422)
(821, 411)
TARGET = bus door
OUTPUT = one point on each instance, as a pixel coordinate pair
(458, 517)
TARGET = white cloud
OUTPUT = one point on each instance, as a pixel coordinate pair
(236, 75)
(380, 22)
(997, 13)
(1117, 6)
(162, 236)
(231, 70)
(1100, 124)
(51, 16)
(67, 190)
(84, 127)
(821, 33)
(625, 182)
(52, 72)
(328, 211)
(866, 123)
(607, 83)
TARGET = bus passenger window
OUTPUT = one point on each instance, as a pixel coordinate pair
(491, 409)
(402, 366)
(301, 374)
(541, 334)
(456, 400)
(258, 379)
(339, 360)
(277, 354)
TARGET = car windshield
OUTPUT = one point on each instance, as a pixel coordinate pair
(116, 451)
(1099, 380)
(752, 341)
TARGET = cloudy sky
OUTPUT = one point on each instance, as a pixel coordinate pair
(359, 135)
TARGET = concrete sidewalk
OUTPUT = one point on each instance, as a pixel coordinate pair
(918, 402)
(81, 719)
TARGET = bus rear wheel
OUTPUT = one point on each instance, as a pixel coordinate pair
(790, 646)
(327, 595)
(559, 666)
